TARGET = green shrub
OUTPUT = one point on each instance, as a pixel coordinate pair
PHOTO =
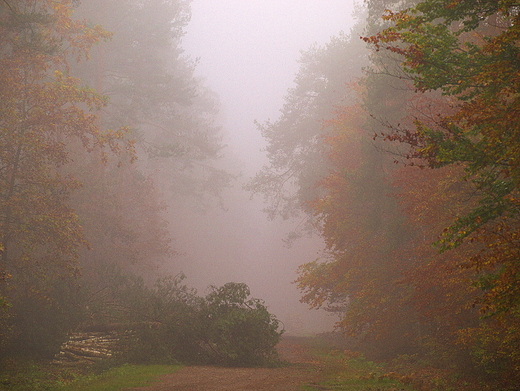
(239, 329)
(226, 327)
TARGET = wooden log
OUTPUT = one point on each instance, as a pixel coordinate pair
(85, 352)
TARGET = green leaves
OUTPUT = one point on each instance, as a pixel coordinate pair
(240, 330)
(444, 85)
(466, 53)
(227, 326)
(472, 63)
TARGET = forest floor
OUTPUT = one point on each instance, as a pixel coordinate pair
(311, 364)
(302, 369)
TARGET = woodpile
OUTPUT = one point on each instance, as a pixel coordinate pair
(97, 342)
(86, 348)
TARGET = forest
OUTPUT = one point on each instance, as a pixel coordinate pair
(405, 159)
(398, 145)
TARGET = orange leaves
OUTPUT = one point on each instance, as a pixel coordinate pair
(44, 110)
(78, 34)
(497, 267)
(359, 224)
(457, 131)
(467, 52)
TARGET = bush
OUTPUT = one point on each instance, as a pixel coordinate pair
(164, 324)
(170, 315)
(239, 329)
(226, 327)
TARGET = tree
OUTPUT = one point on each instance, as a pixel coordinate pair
(363, 231)
(468, 52)
(122, 218)
(294, 140)
(42, 108)
(153, 90)
(474, 63)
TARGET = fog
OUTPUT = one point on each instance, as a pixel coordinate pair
(248, 54)
(158, 155)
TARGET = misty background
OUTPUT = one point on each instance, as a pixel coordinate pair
(248, 53)
(143, 142)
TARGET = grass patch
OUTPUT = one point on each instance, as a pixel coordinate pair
(125, 376)
(345, 383)
(348, 371)
(31, 376)
(17, 376)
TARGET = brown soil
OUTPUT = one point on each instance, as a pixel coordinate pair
(301, 370)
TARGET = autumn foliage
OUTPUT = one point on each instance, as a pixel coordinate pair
(428, 246)
(77, 208)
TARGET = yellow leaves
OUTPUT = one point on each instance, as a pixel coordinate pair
(44, 110)
(396, 16)
(494, 345)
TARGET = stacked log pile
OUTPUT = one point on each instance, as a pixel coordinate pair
(98, 342)
(86, 348)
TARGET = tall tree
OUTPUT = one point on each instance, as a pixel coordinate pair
(42, 109)
(294, 140)
(468, 52)
(479, 71)
(363, 230)
(153, 90)
(482, 77)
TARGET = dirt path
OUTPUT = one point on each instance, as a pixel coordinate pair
(202, 378)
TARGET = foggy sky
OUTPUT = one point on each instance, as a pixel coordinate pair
(249, 51)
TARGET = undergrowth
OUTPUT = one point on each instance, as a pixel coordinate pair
(348, 371)
(345, 370)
